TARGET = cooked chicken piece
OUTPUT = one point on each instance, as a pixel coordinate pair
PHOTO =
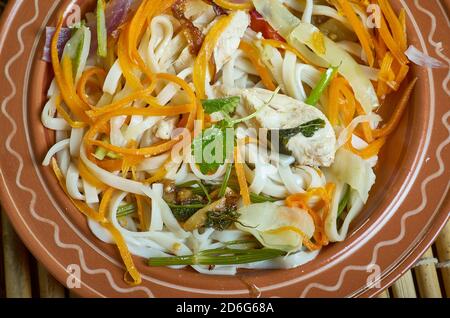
(229, 40)
(284, 112)
(164, 128)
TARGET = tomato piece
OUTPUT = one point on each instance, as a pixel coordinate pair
(258, 24)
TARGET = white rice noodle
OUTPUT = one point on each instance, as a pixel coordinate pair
(316, 179)
(116, 136)
(90, 193)
(53, 90)
(307, 14)
(76, 137)
(113, 78)
(156, 222)
(218, 174)
(294, 183)
(318, 10)
(48, 116)
(152, 164)
(346, 133)
(100, 232)
(166, 214)
(59, 146)
(259, 178)
(72, 183)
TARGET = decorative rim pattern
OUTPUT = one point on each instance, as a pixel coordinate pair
(59, 239)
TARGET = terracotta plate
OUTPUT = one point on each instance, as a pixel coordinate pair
(407, 207)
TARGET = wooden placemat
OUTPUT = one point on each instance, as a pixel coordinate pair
(21, 276)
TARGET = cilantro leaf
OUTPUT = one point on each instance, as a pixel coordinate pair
(282, 136)
(213, 146)
(224, 105)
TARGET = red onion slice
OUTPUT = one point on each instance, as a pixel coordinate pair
(64, 36)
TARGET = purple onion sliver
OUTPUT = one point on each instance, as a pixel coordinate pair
(64, 36)
(116, 13)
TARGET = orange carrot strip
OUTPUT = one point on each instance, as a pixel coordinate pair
(252, 54)
(72, 123)
(241, 177)
(234, 5)
(70, 98)
(285, 46)
(358, 26)
(307, 242)
(104, 203)
(205, 54)
(398, 113)
(394, 24)
(391, 44)
(370, 151)
(81, 87)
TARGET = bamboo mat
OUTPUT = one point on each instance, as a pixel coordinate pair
(21, 276)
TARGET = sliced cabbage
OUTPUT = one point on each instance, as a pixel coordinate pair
(299, 34)
(277, 227)
(355, 171)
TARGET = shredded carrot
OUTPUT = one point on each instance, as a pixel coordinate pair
(206, 53)
(240, 173)
(370, 151)
(72, 123)
(306, 241)
(140, 213)
(81, 87)
(125, 62)
(341, 102)
(401, 75)
(69, 96)
(284, 46)
(363, 35)
(104, 203)
(229, 5)
(87, 175)
(333, 101)
(391, 43)
(367, 130)
(398, 113)
(252, 53)
(318, 213)
(142, 94)
(89, 138)
(125, 254)
(394, 24)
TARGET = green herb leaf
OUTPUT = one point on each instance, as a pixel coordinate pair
(226, 178)
(221, 256)
(102, 34)
(284, 135)
(183, 212)
(126, 209)
(344, 202)
(318, 91)
(221, 220)
(216, 138)
(224, 105)
(261, 198)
